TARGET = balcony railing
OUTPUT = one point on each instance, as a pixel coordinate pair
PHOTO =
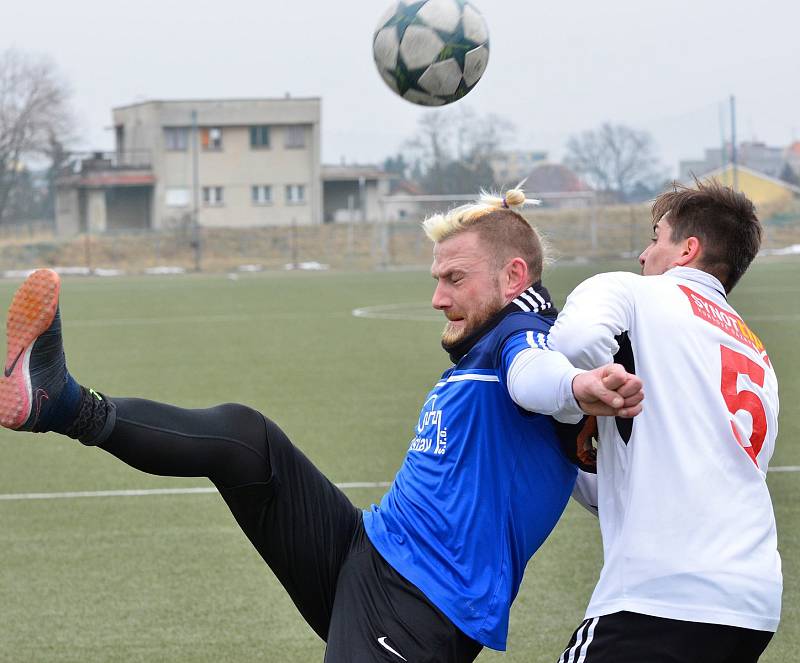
(86, 162)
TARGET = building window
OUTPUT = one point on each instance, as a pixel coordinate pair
(211, 138)
(177, 197)
(259, 136)
(261, 194)
(295, 137)
(213, 195)
(295, 193)
(176, 138)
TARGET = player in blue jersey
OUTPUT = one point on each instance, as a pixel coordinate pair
(430, 573)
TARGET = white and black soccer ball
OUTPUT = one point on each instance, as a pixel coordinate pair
(431, 52)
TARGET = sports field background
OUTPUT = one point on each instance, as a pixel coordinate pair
(170, 577)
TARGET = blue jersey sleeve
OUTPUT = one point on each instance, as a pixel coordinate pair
(516, 343)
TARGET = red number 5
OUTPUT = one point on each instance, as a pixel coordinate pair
(735, 364)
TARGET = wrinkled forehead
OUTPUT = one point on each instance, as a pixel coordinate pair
(462, 251)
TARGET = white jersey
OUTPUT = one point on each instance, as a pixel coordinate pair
(686, 518)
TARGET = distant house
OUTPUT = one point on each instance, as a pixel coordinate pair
(402, 202)
(512, 166)
(554, 177)
(766, 192)
(558, 186)
(353, 192)
(241, 162)
(758, 156)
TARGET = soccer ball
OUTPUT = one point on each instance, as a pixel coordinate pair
(431, 52)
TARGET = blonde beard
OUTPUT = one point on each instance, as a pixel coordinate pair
(452, 335)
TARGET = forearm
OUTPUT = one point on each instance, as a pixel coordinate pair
(541, 381)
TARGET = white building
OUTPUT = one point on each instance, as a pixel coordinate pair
(243, 162)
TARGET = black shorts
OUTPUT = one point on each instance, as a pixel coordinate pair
(629, 637)
(313, 539)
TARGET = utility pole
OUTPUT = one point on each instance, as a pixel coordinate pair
(734, 163)
(723, 155)
(196, 195)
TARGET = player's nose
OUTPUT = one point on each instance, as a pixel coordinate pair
(440, 299)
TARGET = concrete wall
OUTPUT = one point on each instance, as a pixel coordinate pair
(68, 220)
(96, 212)
(374, 195)
(394, 210)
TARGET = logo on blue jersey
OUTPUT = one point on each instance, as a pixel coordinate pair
(430, 432)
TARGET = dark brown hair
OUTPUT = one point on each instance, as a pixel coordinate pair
(723, 220)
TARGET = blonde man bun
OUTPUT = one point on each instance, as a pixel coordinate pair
(513, 199)
(497, 219)
(441, 226)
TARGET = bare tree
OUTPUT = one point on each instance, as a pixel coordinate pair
(488, 136)
(453, 148)
(614, 158)
(34, 112)
(431, 145)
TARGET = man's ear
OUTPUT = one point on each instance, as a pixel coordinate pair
(516, 278)
(690, 253)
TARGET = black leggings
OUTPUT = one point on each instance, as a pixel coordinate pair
(227, 443)
(300, 523)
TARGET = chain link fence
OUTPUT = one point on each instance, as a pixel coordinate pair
(597, 232)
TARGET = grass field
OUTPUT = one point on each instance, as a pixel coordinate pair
(170, 577)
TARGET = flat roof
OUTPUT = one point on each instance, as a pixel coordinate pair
(214, 101)
(345, 173)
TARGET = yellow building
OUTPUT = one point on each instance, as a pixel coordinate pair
(769, 194)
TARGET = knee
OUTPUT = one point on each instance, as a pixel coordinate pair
(249, 424)
(245, 456)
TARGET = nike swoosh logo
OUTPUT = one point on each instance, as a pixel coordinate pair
(8, 371)
(382, 643)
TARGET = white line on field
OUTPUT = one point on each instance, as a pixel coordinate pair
(148, 492)
(412, 311)
(191, 319)
(154, 491)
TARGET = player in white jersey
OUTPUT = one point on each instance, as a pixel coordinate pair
(691, 568)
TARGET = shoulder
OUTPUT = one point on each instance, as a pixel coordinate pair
(609, 288)
(487, 351)
(515, 323)
(611, 280)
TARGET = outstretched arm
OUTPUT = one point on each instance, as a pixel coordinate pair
(609, 391)
(544, 381)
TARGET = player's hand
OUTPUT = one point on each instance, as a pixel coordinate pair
(609, 391)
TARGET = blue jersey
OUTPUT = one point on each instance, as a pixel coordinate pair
(481, 487)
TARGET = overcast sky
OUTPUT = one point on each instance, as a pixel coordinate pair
(556, 68)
